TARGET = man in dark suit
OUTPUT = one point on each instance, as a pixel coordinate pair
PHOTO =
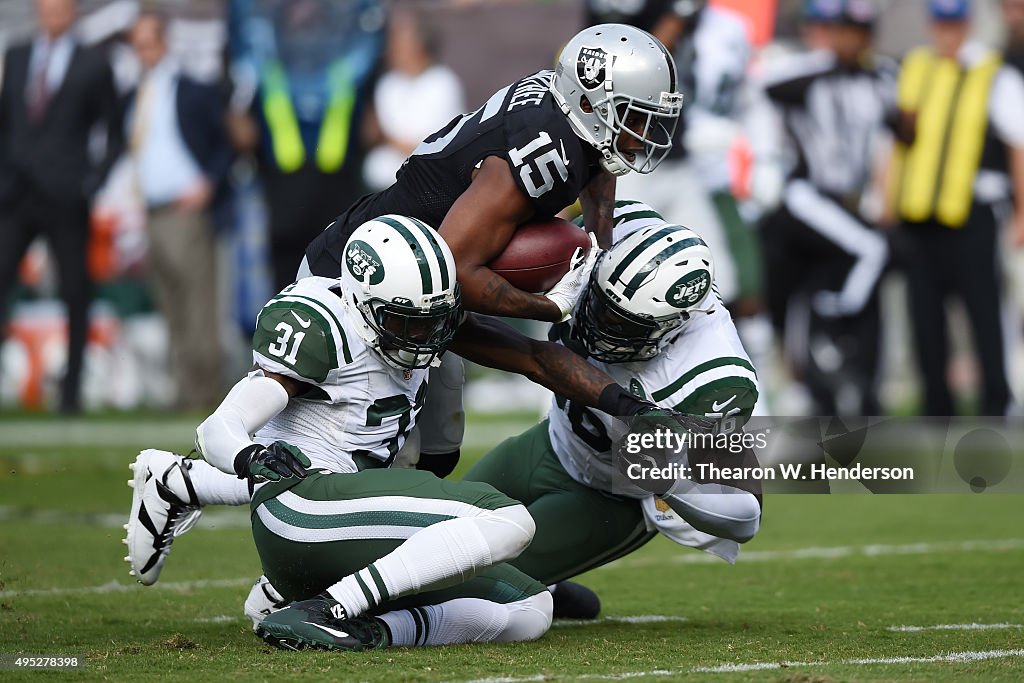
(180, 150)
(54, 92)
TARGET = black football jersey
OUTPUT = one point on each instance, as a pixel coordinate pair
(520, 123)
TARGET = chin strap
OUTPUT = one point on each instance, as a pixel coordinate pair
(611, 163)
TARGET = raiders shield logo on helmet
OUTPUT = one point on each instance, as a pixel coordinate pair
(590, 67)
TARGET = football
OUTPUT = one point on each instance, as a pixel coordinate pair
(539, 254)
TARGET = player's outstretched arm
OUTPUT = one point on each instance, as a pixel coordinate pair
(225, 437)
(492, 343)
(477, 228)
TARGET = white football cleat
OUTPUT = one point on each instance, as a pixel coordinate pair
(263, 601)
(164, 506)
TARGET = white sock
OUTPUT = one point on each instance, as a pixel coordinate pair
(214, 487)
(439, 555)
(470, 620)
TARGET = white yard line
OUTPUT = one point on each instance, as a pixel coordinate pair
(953, 627)
(219, 619)
(179, 433)
(118, 587)
(952, 657)
(99, 433)
(638, 619)
(214, 519)
(824, 553)
(754, 556)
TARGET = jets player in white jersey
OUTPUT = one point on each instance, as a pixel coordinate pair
(338, 383)
(651, 319)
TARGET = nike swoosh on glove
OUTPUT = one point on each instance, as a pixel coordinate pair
(656, 415)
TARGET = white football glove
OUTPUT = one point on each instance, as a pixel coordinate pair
(567, 290)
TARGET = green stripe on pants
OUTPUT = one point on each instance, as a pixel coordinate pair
(369, 518)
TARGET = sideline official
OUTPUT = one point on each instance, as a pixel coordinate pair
(954, 186)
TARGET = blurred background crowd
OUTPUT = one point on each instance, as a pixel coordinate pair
(856, 165)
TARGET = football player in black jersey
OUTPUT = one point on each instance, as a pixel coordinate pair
(532, 149)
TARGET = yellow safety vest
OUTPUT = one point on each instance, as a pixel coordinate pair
(285, 136)
(936, 174)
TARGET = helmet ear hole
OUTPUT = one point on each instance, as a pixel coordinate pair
(585, 104)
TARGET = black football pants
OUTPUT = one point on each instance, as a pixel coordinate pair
(943, 262)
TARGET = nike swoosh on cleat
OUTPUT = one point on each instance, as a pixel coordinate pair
(304, 323)
(328, 629)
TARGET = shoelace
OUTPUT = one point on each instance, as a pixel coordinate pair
(181, 517)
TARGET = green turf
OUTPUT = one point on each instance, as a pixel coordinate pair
(60, 509)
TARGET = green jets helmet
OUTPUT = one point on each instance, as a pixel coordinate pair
(398, 283)
(642, 292)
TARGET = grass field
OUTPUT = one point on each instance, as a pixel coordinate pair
(842, 587)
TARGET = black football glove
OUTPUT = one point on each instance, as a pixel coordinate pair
(271, 463)
(655, 414)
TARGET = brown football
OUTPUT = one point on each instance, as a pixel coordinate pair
(539, 254)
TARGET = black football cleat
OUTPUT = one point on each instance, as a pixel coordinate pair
(575, 601)
(320, 623)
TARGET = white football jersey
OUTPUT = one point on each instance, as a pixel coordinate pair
(704, 370)
(718, 67)
(358, 410)
(713, 67)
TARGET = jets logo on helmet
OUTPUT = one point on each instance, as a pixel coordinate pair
(615, 80)
(689, 289)
(590, 67)
(400, 291)
(642, 291)
(363, 262)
